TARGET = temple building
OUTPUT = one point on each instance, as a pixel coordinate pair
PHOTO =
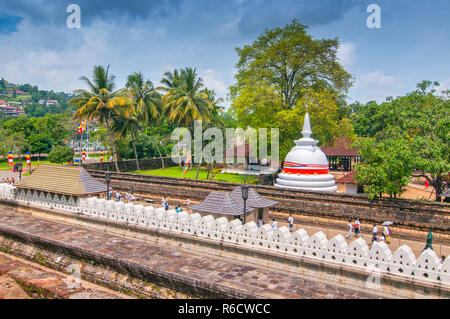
(60, 185)
(231, 206)
(306, 166)
(220, 204)
(341, 155)
(256, 201)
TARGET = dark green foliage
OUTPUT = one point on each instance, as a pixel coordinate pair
(60, 155)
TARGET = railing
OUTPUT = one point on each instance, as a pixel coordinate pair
(378, 258)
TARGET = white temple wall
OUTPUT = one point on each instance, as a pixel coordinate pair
(357, 254)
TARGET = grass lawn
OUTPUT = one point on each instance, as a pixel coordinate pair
(178, 172)
(4, 164)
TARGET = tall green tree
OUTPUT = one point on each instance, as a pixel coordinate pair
(128, 126)
(40, 143)
(147, 108)
(288, 60)
(416, 136)
(101, 103)
(184, 101)
(387, 166)
(147, 100)
(280, 75)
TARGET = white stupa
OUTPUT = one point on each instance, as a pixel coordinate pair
(306, 166)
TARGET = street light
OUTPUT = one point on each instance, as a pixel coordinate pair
(108, 180)
(244, 188)
(20, 169)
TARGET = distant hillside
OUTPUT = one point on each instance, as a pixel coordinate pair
(34, 102)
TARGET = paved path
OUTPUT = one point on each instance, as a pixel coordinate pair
(212, 270)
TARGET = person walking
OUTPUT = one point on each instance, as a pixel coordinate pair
(357, 227)
(429, 244)
(374, 233)
(387, 234)
(275, 224)
(260, 222)
(291, 223)
(350, 230)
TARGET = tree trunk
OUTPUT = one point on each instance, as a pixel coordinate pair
(199, 164)
(155, 140)
(113, 146)
(437, 184)
(135, 154)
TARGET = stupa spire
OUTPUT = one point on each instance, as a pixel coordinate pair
(306, 166)
(307, 126)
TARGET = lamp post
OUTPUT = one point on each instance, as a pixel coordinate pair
(244, 188)
(20, 169)
(108, 180)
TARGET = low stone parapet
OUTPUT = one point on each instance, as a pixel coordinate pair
(378, 258)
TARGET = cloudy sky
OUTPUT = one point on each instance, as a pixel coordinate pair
(153, 36)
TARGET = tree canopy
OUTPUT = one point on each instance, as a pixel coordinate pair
(411, 136)
(281, 75)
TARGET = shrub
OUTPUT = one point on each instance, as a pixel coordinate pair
(60, 154)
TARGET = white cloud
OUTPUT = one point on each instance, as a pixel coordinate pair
(444, 85)
(37, 61)
(214, 80)
(376, 86)
(346, 55)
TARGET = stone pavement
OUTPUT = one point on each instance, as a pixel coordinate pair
(20, 279)
(203, 269)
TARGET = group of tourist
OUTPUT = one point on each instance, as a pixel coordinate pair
(385, 236)
(10, 181)
(274, 223)
(178, 208)
(355, 227)
(129, 197)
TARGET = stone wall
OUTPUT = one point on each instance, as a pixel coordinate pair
(130, 165)
(407, 214)
(378, 258)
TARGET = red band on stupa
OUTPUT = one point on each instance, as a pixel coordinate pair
(305, 171)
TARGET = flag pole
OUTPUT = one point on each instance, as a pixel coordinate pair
(81, 146)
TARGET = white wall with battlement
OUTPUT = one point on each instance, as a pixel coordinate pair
(378, 258)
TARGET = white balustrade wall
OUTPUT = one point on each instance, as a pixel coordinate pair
(317, 246)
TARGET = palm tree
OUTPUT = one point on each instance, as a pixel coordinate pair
(184, 101)
(101, 103)
(147, 100)
(147, 103)
(170, 80)
(125, 126)
(217, 109)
